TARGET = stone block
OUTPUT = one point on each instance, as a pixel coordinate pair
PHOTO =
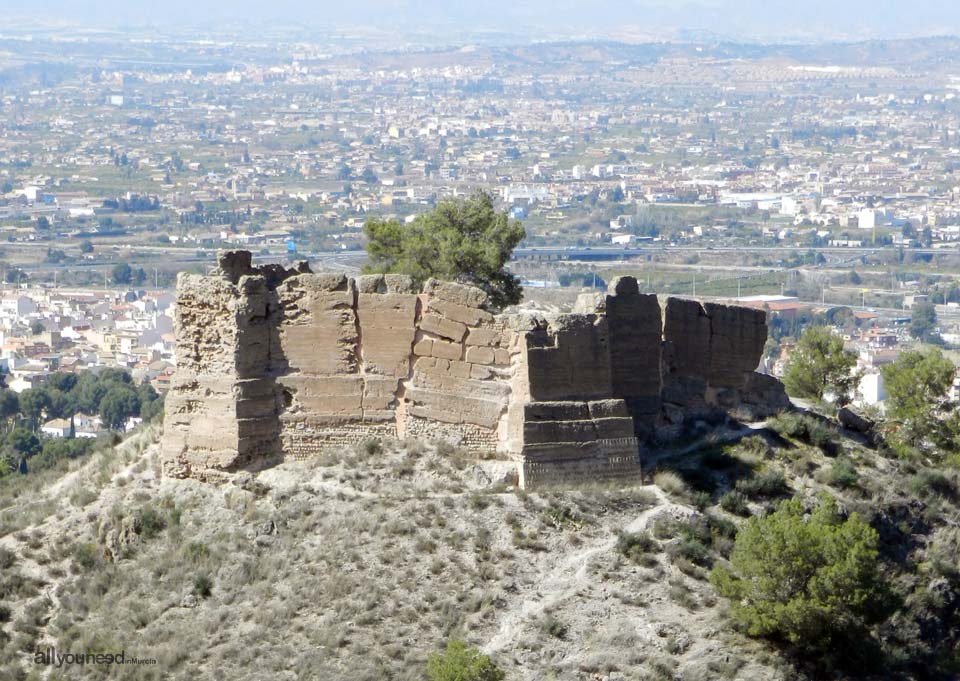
(480, 355)
(423, 347)
(446, 350)
(469, 296)
(471, 316)
(483, 336)
(437, 325)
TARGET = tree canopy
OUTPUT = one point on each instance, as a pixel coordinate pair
(806, 579)
(819, 364)
(463, 240)
(917, 384)
(923, 323)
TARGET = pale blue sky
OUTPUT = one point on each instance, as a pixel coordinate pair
(850, 19)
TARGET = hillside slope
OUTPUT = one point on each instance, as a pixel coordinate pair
(360, 564)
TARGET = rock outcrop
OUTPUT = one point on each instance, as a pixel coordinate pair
(276, 362)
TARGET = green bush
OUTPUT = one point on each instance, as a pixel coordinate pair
(86, 555)
(691, 549)
(636, 546)
(803, 427)
(459, 662)
(151, 522)
(196, 552)
(554, 628)
(768, 484)
(930, 481)
(806, 579)
(735, 502)
(843, 474)
(202, 585)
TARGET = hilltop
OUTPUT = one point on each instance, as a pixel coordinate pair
(361, 562)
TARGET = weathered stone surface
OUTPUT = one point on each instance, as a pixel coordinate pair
(281, 362)
(568, 358)
(634, 324)
(737, 336)
(435, 324)
(452, 292)
(483, 336)
(387, 322)
(686, 353)
(480, 355)
(853, 421)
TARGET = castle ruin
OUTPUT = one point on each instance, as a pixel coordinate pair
(275, 362)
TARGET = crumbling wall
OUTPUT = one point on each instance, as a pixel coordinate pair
(568, 426)
(463, 357)
(279, 362)
(221, 410)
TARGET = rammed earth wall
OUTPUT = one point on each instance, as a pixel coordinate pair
(276, 362)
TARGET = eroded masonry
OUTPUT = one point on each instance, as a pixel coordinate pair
(276, 362)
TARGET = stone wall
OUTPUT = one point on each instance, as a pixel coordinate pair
(276, 362)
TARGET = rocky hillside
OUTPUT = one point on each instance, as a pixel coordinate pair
(358, 565)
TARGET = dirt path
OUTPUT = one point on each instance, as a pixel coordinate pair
(563, 581)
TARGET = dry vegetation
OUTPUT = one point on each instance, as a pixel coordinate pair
(355, 566)
(359, 564)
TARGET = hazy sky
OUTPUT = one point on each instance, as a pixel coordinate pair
(735, 18)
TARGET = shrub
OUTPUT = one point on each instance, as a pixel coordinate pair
(843, 473)
(770, 483)
(196, 552)
(459, 662)
(691, 549)
(701, 500)
(806, 579)
(636, 546)
(7, 558)
(931, 481)
(788, 424)
(202, 585)
(803, 427)
(371, 447)
(554, 627)
(735, 502)
(86, 555)
(150, 521)
(671, 483)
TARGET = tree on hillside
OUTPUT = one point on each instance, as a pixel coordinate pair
(122, 273)
(923, 323)
(819, 364)
(33, 403)
(463, 240)
(917, 384)
(119, 404)
(809, 579)
(9, 405)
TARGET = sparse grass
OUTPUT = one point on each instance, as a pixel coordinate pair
(553, 627)
(672, 484)
(735, 502)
